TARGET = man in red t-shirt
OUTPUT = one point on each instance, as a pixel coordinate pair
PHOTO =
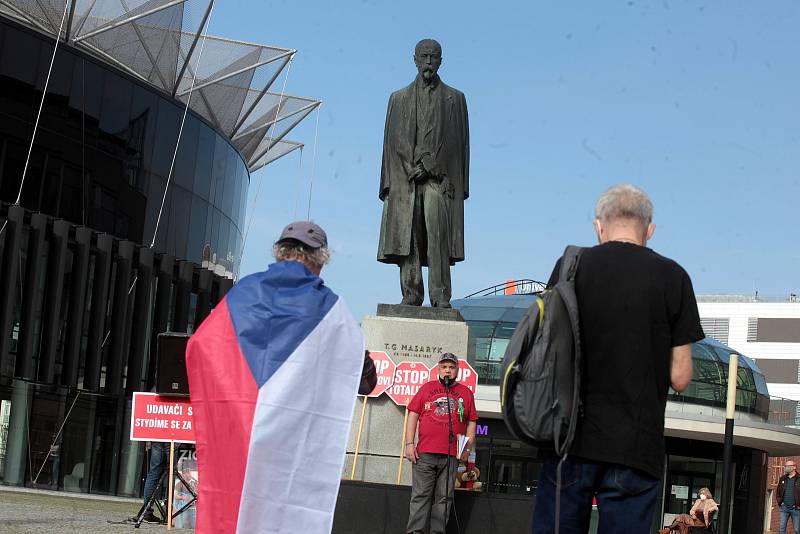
(434, 465)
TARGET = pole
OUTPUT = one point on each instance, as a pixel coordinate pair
(727, 467)
(171, 484)
(358, 437)
(402, 448)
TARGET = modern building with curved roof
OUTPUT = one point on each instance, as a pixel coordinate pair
(121, 218)
(164, 44)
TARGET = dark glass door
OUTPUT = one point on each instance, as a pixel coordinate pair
(682, 490)
(513, 474)
(506, 475)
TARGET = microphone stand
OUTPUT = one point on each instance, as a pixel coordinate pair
(450, 439)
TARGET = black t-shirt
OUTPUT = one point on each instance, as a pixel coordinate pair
(634, 305)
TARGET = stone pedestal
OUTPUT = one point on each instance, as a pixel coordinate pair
(405, 333)
(421, 334)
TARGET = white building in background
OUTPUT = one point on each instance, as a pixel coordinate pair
(766, 329)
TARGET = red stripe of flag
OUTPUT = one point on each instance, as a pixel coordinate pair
(224, 395)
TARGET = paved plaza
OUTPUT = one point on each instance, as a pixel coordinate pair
(37, 512)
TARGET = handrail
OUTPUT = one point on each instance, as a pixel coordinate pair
(523, 286)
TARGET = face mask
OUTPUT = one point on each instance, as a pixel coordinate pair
(702, 496)
(787, 470)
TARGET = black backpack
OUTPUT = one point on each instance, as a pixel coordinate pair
(540, 392)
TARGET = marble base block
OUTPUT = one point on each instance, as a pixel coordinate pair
(408, 339)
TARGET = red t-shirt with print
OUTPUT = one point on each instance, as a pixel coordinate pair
(430, 403)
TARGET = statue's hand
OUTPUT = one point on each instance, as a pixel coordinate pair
(418, 174)
(447, 189)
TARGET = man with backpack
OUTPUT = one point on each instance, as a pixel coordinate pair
(638, 320)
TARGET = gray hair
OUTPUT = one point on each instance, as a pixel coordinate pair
(624, 201)
(291, 249)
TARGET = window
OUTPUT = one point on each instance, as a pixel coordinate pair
(218, 172)
(72, 203)
(488, 343)
(186, 159)
(155, 192)
(181, 212)
(197, 230)
(33, 179)
(775, 330)
(13, 162)
(507, 465)
(166, 135)
(718, 328)
(103, 209)
(204, 163)
(234, 237)
(144, 111)
(752, 329)
(229, 183)
(214, 221)
(221, 245)
(237, 183)
(90, 92)
(115, 114)
(20, 56)
(51, 185)
(56, 114)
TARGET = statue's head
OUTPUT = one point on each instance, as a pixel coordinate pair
(428, 58)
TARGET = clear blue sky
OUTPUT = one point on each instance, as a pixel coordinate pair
(695, 102)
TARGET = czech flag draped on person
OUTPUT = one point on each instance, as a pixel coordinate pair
(273, 374)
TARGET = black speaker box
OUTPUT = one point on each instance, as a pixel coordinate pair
(171, 371)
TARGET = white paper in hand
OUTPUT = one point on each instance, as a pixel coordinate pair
(462, 444)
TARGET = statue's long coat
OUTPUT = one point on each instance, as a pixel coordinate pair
(452, 160)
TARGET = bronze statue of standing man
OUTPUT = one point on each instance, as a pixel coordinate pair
(425, 180)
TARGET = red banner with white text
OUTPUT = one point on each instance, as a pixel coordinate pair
(161, 418)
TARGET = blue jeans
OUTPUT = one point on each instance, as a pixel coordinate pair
(626, 498)
(159, 454)
(785, 513)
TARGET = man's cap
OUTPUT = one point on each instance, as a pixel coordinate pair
(305, 232)
(448, 357)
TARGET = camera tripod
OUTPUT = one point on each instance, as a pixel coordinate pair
(162, 508)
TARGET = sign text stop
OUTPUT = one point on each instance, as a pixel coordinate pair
(384, 369)
(466, 375)
(408, 378)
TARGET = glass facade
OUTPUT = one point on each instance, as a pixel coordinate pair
(68, 370)
(709, 384)
(103, 151)
(83, 295)
(492, 321)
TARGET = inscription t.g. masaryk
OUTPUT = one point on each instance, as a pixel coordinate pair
(425, 180)
(407, 351)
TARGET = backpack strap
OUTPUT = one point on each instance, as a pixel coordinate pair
(569, 263)
(566, 288)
